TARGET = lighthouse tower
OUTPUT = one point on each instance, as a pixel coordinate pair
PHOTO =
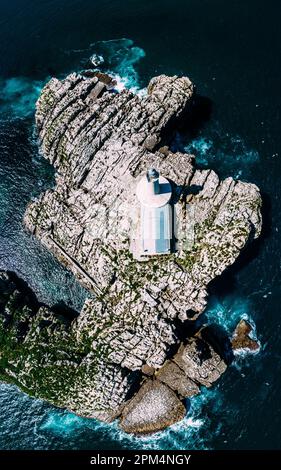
(154, 193)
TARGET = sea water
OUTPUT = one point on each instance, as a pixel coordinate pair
(231, 51)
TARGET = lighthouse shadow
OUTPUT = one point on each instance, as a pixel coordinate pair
(164, 188)
(179, 192)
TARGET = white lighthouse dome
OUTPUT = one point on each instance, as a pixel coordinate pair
(153, 190)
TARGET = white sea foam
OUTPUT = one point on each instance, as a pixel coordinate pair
(190, 433)
(18, 96)
(62, 422)
(200, 146)
(119, 58)
(227, 153)
(243, 352)
(228, 311)
(203, 420)
(96, 60)
(123, 83)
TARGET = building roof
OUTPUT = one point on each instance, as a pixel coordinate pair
(156, 229)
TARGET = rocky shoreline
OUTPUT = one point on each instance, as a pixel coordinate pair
(33, 336)
(125, 356)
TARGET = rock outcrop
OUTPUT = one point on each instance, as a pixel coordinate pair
(40, 353)
(153, 408)
(243, 337)
(100, 143)
(177, 379)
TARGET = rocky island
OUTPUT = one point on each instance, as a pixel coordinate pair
(135, 352)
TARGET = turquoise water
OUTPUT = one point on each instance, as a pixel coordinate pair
(231, 52)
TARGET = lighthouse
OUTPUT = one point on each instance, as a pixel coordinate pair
(154, 193)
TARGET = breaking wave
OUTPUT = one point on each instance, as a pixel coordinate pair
(62, 422)
(18, 96)
(29, 423)
(52, 428)
(191, 433)
(117, 57)
(120, 57)
(227, 312)
(227, 153)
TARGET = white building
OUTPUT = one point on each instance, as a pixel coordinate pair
(154, 193)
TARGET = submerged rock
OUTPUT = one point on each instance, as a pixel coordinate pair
(100, 143)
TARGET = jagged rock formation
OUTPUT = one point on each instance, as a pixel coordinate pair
(243, 337)
(176, 378)
(40, 353)
(200, 362)
(100, 143)
(158, 403)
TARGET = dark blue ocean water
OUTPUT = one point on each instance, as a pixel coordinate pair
(231, 50)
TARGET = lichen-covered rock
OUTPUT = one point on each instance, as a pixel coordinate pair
(40, 352)
(242, 337)
(153, 408)
(100, 143)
